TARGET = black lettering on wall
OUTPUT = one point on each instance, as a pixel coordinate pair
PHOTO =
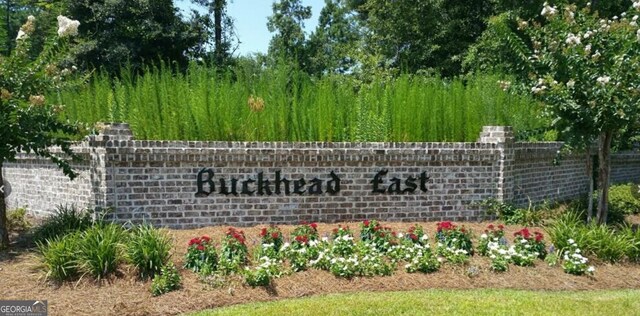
(333, 185)
(298, 185)
(201, 181)
(245, 186)
(395, 186)
(316, 186)
(280, 181)
(410, 184)
(377, 180)
(423, 181)
(263, 185)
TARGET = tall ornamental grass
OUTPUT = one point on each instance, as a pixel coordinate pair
(282, 104)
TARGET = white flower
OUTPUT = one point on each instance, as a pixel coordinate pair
(638, 35)
(591, 269)
(572, 39)
(603, 80)
(548, 11)
(67, 26)
(571, 241)
(21, 35)
(484, 236)
(587, 49)
(400, 235)
(636, 5)
(31, 18)
(633, 23)
(571, 84)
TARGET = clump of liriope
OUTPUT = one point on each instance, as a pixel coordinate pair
(148, 250)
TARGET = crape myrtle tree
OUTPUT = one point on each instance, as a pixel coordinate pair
(28, 120)
(585, 70)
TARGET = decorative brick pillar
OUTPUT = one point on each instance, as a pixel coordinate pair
(110, 135)
(503, 137)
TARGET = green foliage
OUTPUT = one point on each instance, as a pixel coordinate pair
(287, 22)
(201, 255)
(622, 199)
(202, 105)
(17, 221)
(59, 255)
(633, 234)
(262, 275)
(512, 215)
(606, 243)
(117, 31)
(29, 122)
(100, 249)
(168, 280)
(568, 225)
(148, 250)
(331, 45)
(574, 262)
(65, 220)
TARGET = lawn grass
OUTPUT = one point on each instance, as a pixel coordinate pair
(450, 302)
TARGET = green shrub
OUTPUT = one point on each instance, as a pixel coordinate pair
(606, 243)
(168, 280)
(622, 199)
(16, 220)
(100, 249)
(568, 225)
(512, 215)
(148, 250)
(59, 257)
(633, 252)
(65, 220)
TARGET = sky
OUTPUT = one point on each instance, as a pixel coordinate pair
(250, 18)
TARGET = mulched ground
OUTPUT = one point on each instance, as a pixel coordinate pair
(21, 277)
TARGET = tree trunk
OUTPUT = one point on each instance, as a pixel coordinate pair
(8, 26)
(217, 20)
(604, 171)
(4, 231)
(590, 194)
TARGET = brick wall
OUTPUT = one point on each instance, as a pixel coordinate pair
(540, 174)
(157, 181)
(38, 184)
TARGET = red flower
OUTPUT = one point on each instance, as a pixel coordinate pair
(205, 238)
(412, 229)
(200, 247)
(376, 228)
(538, 236)
(302, 239)
(490, 227)
(500, 227)
(413, 237)
(445, 226)
(366, 223)
(524, 233)
(275, 235)
(314, 226)
(394, 234)
(382, 235)
(263, 232)
(335, 231)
